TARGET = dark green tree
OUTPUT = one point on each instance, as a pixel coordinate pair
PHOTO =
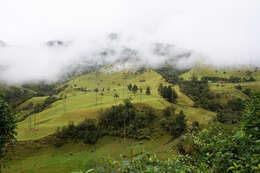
(134, 89)
(148, 91)
(160, 89)
(129, 87)
(7, 127)
(168, 93)
(116, 96)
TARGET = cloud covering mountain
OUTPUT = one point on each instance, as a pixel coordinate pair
(149, 31)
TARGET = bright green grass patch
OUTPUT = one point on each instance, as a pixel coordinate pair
(34, 100)
(228, 91)
(76, 157)
(200, 71)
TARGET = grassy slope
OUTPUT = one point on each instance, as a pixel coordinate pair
(226, 90)
(38, 158)
(80, 105)
(79, 156)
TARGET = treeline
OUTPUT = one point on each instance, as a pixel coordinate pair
(124, 120)
(168, 93)
(171, 74)
(44, 89)
(15, 96)
(36, 108)
(134, 88)
(231, 79)
(200, 93)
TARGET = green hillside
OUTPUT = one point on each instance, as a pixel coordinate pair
(79, 100)
(79, 105)
(83, 102)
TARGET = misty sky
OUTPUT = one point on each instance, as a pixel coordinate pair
(222, 31)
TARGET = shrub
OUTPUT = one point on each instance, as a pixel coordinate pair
(173, 123)
(86, 131)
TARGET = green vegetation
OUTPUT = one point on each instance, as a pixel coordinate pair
(15, 95)
(172, 122)
(216, 149)
(209, 71)
(168, 93)
(124, 120)
(128, 120)
(86, 131)
(7, 128)
(107, 115)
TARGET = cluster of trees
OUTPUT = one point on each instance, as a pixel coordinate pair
(171, 74)
(127, 120)
(124, 120)
(172, 122)
(231, 112)
(86, 131)
(168, 93)
(199, 92)
(134, 88)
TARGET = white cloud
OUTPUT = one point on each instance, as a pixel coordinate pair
(224, 31)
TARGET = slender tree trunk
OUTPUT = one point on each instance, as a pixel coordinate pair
(124, 131)
(172, 95)
(34, 121)
(96, 98)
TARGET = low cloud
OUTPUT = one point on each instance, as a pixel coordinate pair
(150, 32)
